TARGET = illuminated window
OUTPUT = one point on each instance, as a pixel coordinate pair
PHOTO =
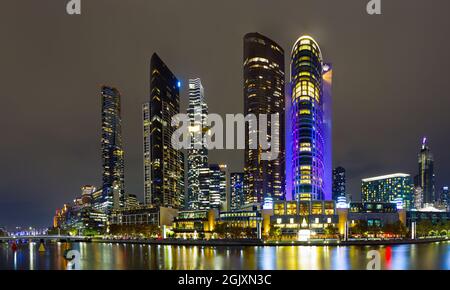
(305, 112)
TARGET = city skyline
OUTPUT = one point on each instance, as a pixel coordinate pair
(397, 155)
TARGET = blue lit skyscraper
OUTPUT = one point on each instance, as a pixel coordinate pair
(112, 151)
(310, 122)
(237, 198)
(339, 193)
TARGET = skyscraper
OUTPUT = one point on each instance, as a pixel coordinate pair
(181, 181)
(418, 197)
(339, 184)
(112, 151)
(165, 172)
(237, 198)
(389, 188)
(445, 197)
(146, 147)
(198, 174)
(264, 80)
(425, 179)
(311, 122)
(218, 186)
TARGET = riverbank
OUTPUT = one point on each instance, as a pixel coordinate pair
(255, 242)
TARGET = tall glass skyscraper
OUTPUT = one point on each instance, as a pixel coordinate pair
(389, 188)
(146, 146)
(311, 122)
(426, 178)
(112, 151)
(165, 175)
(339, 193)
(264, 81)
(198, 173)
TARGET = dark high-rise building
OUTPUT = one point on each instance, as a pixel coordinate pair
(112, 151)
(445, 197)
(264, 80)
(339, 184)
(146, 147)
(237, 198)
(198, 174)
(165, 174)
(218, 186)
(311, 122)
(425, 178)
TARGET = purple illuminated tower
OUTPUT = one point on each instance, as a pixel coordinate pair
(311, 167)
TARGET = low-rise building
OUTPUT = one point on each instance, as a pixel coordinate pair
(194, 224)
(303, 218)
(143, 215)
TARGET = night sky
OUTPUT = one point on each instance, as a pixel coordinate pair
(390, 83)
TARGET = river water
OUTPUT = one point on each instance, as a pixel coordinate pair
(117, 256)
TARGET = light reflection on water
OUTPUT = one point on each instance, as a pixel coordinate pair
(135, 256)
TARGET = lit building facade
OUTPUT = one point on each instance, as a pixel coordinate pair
(198, 173)
(309, 217)
(86, 194)
(237, 197)
(391, 188)
(264, 85)
(426, 178)
(339, 191)
(311, 122)
(375, 214)
(131, 201)
(418, 197)
(218, 186)
(146, 147)
(144, 215)
(112, 150)
(164, 176)
(444, 197)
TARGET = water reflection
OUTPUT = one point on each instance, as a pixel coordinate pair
(128, 256)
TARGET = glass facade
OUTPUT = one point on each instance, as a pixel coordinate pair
(339, 183)
(218, 186)
(166, 163)
(426, 178)
(198, 174)
(389, 189)
(237, 190)
(112, 151)
(264, 85)
(146, 146)
(307, 118)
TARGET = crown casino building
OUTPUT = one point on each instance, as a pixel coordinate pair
(310, 122)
